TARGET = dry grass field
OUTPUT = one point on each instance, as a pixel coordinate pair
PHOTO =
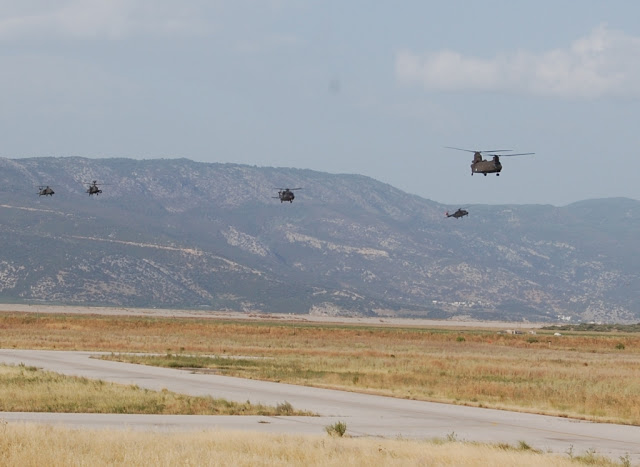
(594, 376)
(33, 445)
(27, 389)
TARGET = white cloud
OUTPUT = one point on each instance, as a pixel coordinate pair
(111, 19)
(605, 63)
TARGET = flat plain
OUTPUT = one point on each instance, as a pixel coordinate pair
(593, 376)
(587, 375)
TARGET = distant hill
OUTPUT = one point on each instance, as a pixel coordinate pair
(177, 233)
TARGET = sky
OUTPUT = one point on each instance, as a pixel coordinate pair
(377, 88)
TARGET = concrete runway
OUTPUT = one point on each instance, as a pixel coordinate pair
(364, 415)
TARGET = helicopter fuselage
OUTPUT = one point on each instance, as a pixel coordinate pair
(286, 196)
(46, 192)
(485, 167)
(458, 214)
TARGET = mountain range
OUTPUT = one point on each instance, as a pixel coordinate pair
(174, 233)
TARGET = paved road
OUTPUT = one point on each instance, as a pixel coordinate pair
(365, 415)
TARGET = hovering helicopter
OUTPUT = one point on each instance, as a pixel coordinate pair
(286, 194)
(45, 191)
(458, 214)
(485, 166)
(93, 188)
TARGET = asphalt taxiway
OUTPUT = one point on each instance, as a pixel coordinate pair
(364, 414)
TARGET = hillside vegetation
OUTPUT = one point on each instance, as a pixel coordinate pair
(180, 234)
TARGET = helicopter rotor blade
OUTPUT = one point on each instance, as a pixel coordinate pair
(510, 155)
(460, 149)
(484, 150)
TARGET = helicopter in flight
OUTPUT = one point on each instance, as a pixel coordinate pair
(93, 188)
(286, 194)
(45, 191)
(458, 214)
(488, 166)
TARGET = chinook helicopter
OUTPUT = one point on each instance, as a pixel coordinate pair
(93, 188)
(458, 214)
(45, 191)
(286, 194)
(486, 166)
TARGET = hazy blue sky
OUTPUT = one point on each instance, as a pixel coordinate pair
(343, 86)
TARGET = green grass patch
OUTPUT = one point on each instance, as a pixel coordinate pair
(594, 327)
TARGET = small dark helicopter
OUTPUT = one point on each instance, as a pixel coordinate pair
(458, 214)
(486, 166)
(45, 191)
(286, 194)
(93, 188)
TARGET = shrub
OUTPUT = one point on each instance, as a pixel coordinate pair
(524, 446)
(285, 408)
(337, 429)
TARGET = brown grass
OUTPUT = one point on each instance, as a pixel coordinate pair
(27, 389)
(578, 374)
(32, 445)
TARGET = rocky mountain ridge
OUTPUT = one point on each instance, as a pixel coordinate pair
(177, 233)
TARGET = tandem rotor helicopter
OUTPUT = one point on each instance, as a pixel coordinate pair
(486, 166)
(286, 194)
(458, 214)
